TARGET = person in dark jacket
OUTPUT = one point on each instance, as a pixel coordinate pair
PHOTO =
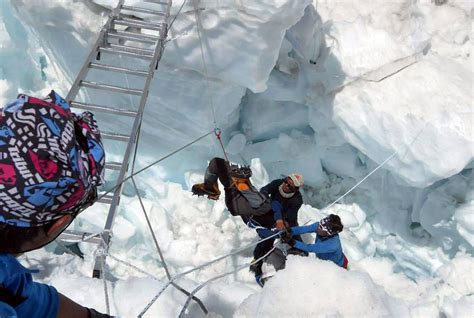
(51, 163)
(286, 201)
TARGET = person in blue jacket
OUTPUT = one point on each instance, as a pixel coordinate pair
(327, 245)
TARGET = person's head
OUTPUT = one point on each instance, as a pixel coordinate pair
(17, 239)
(293, 182)
(329, 226)
(41, 201)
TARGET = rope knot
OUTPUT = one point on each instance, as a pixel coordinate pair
(218, 133)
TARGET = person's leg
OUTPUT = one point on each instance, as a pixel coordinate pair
(263, 247)
(218, 168)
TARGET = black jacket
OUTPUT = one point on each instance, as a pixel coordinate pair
(290, 205)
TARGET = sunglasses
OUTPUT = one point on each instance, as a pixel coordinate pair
(290, 185)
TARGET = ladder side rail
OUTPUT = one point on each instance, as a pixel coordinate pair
(95, 49)
(131, 144)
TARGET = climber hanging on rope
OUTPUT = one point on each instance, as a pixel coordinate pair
(51, 163)
(276, 205)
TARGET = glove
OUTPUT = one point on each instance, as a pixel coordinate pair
(287, 235)
(280, 224)
(291, 241)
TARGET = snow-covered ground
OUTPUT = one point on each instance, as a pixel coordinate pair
(327, 88)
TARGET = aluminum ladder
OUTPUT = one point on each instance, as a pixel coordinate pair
(121, 27)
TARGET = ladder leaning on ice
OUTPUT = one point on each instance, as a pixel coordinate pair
(105, 60)
(101, 60)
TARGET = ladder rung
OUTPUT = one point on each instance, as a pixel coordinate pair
(113, 165)
(107, 199)
(143, 10)
(157, 2)
(127, 53)
(114, 136)
(139, 24)
(131, 36)
(113, 88)
(131, 49)
(76, 236)
(104, 109)
(118, 69)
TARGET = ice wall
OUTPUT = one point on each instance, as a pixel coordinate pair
(307, 87)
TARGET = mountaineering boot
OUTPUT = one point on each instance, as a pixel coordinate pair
(260, 281)
(201, 189)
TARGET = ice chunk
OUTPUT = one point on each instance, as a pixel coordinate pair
(236, 144)
(241, 43)
(405, 114)
(264, 119)
(282, 294)
(287, 154)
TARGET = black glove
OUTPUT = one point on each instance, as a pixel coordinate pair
(287, 235)
(291, 242)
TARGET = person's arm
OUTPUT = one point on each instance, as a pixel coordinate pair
(270, 188)
(315, 247)
(292, 212)
(70, 309)
(7, 311)
(278, 214)
(296, 230)
(264, 232)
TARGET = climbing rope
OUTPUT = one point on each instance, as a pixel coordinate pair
(159, 250)
(378, 167)
(199, 32)
(207, 282)
(151, 230)
(177, 14)
(202, 266)
(106, 292)
(152, 164)
(218, 134)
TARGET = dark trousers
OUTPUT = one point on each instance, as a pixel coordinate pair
(218, 168)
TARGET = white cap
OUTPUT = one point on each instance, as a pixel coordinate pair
(297, 179)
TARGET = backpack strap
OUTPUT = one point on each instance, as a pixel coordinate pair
(8, 297)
